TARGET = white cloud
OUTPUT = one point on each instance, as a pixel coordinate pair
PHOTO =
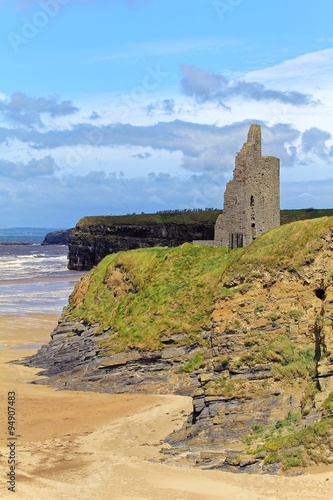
(311, 70)
(311, 73)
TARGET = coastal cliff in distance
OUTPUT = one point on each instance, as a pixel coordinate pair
(247, 333)
(95, 237)
(60, 237)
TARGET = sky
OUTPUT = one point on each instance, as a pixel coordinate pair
(122, 106)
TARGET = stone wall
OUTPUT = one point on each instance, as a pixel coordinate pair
(252, 197)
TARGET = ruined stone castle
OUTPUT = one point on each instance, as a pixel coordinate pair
(251, 198)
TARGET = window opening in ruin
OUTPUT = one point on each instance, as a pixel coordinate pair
(253, 219)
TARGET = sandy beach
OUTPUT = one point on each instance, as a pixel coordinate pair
(88, 445)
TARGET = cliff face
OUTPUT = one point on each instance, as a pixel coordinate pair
(270, 364)
(95, 237)
(87, 248)
(247, 333)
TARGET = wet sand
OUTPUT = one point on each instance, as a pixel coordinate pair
(84, 445)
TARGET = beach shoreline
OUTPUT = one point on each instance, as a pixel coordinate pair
(85, 444)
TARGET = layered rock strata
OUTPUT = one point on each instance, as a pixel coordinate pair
(73, 359)
(90, 242)
(267, 357)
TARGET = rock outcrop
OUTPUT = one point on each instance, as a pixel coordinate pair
(74, 359)
(57, 237)
(259, 364)
(95, 237)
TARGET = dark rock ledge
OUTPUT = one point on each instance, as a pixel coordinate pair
(74, 360)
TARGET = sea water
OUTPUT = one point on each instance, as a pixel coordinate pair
(34, 279)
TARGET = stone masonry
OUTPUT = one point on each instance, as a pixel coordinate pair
(251, 198)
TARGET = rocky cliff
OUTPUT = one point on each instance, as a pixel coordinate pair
(247, 333)
(95, 237)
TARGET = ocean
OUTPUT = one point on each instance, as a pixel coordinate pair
(34, 279)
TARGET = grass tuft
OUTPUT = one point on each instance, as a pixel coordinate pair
(170, 291)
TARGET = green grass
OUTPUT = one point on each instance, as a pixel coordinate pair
(301, 365)
(288, 361)
(328, 405)
(174, 294)
(170, 217)
(287, 247)
(292, 447)
(304, 213)
(195, 362)
(299, 448)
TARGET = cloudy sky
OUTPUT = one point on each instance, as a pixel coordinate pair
(121, 106)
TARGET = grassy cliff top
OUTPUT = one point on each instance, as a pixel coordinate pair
(304, 213)
(286, 247)
(145, 294)
(172, 217)
(190, 217)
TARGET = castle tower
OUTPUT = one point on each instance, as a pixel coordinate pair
(251, 198)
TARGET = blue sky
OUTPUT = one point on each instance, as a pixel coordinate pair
(121, 106)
